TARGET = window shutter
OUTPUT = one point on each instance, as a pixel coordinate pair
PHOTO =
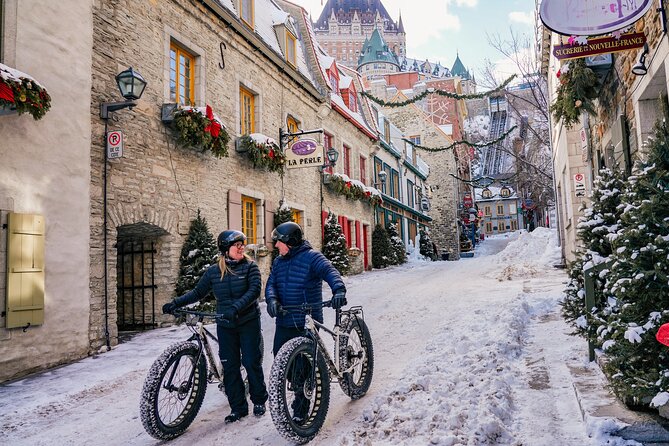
(358, 235)
(25, 270)
(234, 210)
(269, 223)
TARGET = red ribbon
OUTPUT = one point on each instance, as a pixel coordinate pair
(214, 128)
(6, 92)
(271, 153)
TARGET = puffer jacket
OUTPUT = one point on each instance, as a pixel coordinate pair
(297, 278)
(239, 289)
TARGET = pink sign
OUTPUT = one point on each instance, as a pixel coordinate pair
(591, 17)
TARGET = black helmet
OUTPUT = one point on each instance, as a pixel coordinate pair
(289, 233)
(228, 238)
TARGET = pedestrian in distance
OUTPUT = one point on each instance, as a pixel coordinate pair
(236, 283)
(296, 278)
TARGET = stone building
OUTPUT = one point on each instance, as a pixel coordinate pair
(344, 26)
(44, 181)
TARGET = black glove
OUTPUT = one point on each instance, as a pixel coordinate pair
(339, 299)
(169, 307)
(272, 307)
(229, 314)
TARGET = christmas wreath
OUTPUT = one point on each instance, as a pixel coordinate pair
(263, 152)
(353, 189)
(23, 93)
(578, 88)
(199, 128)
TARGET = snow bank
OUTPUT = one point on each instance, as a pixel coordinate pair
(529, 254)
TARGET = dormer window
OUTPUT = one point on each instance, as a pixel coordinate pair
(246, 12)
(291, 43)
(352, 100)
(334, 82)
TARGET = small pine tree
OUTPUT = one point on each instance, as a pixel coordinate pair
(638, 366)
(282, 215)
(426, 247)
(382, 251)
(334, 245)
(397, 245)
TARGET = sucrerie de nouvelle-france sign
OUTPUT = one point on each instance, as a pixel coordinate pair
(600, 45)
(591, 17)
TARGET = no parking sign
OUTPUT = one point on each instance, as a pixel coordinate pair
(114, 144)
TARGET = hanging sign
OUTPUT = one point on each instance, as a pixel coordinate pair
(114, 144)
(304, 153)
(601, 45)
(591, 17)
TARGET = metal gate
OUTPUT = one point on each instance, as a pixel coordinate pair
(136, 289)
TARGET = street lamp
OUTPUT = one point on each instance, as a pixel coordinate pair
(382, 175)
(131, 84)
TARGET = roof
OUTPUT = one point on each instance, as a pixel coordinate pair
(344, 11)
(375, 49)
(459, 69)
(423, 66)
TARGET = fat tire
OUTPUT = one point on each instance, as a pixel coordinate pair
(150, 402)
(279, 392)
(356, 384)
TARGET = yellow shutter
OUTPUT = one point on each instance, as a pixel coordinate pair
(25, 270)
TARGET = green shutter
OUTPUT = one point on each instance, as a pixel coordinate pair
(25, 270)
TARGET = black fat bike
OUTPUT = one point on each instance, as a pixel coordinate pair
(299, 382)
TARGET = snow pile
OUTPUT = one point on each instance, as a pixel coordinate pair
(529, 254)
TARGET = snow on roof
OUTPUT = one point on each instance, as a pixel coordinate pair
(12, 74)
(495, 194)
(345, 81)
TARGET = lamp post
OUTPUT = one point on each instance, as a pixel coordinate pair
(382, 176)
(131, 85)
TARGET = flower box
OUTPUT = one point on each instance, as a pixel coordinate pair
(167, 112)
(20, 93)
(262, 151)
(198, 128)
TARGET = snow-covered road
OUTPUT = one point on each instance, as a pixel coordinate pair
(466, 353)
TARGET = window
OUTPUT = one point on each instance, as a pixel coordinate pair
(352, 102)
(246, 11)
(488, 227)
(249, 218)
(395, 184)
(514, 225)
(386, 130)
(290, 49)
(378, 167)
(415, 140)
(334, 83)
(297, 216)
(513, 209)
(363, 170)
(182, 75)
(347, 161)
(410, 195)
(328, 142)
(292, 125)
(500, 209)
(247, 111)
(487, 211)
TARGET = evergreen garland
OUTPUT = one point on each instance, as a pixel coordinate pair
(21, 92)
(465, 142)
(576, 92)
(202, 131)
(353, 190)
(445, 93)
(334, 245)
(263, 152)
(382, 251)
(396, 244)
(198, 253)
(282, 215)
(638, 366)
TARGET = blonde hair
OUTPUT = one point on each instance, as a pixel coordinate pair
(224, 268)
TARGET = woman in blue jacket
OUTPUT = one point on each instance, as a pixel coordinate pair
(236, 284)
(297, 278)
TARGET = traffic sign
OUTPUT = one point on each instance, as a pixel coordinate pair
(114, 144)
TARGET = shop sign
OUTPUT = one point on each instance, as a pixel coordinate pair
(304, 153)
(591, 17)
(601, 45)
(467, 200)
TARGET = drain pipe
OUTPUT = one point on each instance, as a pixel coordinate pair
(104, 232)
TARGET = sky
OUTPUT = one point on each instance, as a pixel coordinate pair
(437, 30)
(466, 352)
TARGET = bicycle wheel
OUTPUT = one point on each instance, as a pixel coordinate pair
(173, 391)
(299, 386)
(356, 353)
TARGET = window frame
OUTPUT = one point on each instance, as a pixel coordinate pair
(363, 170)
(291, 49)
(296, 215)
(242, 11)
(500, 212)
(292, 124)
(179, 51)
(487, 210)
(328, 142)
(246, 93)
(386, 130)
(395, 183)
(411, 200)
(252, 230)
(346, 157)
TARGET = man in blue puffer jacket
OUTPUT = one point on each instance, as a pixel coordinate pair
(296, 278)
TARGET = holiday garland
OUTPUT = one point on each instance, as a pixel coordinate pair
(263, 152)
(446, 93)
(23, 93)
(201, 129)
(577, 90)
(465, 142)
(354, 190)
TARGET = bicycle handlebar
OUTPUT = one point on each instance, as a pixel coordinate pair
(304, 308)
(200, 314)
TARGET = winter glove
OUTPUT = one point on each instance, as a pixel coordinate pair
(339, 299)
(229, 314)
(169, 307)
(272, 307)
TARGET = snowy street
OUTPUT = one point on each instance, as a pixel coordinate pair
(466, 353)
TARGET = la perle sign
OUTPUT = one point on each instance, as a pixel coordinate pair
(591, 17)
(304, 153)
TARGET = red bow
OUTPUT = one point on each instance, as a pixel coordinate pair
(214, 128)
(271, 153)
(6, 92)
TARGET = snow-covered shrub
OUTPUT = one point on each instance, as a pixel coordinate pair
(334, 245)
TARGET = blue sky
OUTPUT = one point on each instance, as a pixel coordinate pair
(438, 29)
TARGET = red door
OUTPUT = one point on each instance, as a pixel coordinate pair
(365, 229)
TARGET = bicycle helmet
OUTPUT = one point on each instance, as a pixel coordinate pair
(289, 233)
(228, 238)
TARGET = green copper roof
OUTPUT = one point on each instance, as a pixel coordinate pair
(376, 50)
(459, 69)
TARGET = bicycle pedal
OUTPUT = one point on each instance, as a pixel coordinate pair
(221, 387)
